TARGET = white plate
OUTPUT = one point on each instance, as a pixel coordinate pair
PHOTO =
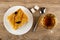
(25, 28)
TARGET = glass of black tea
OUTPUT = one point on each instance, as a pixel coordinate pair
(48, 21)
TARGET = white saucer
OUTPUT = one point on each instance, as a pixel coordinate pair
(25, 28)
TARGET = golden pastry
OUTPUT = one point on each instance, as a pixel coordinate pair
(17, 19)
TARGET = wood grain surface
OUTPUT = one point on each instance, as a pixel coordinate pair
(52, 6)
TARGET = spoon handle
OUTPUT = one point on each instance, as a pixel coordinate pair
(36, 26)
(42, 11)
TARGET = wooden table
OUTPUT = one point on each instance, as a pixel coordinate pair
(52, 6)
